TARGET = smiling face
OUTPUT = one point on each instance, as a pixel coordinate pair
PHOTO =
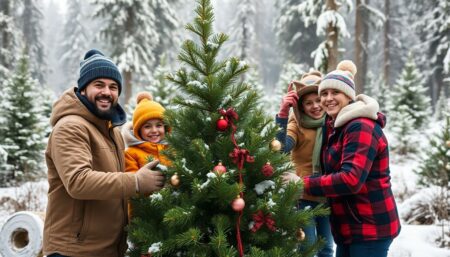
(333, 100)
(311, 106)
(103, 94)
(153, 131)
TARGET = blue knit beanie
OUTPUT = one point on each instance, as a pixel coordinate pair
(94, 66)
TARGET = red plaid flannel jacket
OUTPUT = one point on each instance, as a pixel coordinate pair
(356, 180)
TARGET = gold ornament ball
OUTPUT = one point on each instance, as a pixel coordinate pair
(275, 145)
(447, 143)
(300, 235)
(175, 180)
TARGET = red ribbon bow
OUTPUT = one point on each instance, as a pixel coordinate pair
(260, 219)
(239, 156)
(229, 114)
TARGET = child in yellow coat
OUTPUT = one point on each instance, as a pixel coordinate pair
(145, 136)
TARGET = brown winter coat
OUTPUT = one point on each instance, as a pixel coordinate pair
(301, 154)
(87, 208)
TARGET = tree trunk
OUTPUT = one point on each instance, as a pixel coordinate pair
(128, 74)
(361, 40)
(245, 40)
(387, 57)
(332, 40)
(6, 10)
(127, 86)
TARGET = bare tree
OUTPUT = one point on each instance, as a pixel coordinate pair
(387, 43)
(361, 42)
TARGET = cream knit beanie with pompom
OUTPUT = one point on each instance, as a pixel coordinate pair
(341, 79)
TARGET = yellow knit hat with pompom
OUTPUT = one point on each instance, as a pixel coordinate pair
(145, 110)
(341, 79)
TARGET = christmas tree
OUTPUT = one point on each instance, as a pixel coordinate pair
(225, 196)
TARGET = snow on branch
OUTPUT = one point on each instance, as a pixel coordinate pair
(334, 19)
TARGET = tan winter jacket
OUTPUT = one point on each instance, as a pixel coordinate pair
(301, 154)
(87, 207)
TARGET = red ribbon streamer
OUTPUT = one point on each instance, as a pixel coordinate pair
(241, 155)
(238, 156)
(260, 219)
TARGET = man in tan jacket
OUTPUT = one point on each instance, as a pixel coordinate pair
(88, 188)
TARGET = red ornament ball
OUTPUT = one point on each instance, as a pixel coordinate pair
(267, 169)
(238, 204)
(219, 169)
(222, 124)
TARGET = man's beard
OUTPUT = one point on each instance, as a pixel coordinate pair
(105, 114)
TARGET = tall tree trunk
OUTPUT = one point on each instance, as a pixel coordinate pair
(128, 74)
(245, 40)
(361, 40)
(6, 10)
(27, 26)
(127, 86)
(387, 43)
(332, 39)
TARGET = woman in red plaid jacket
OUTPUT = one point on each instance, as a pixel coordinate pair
(355, 163)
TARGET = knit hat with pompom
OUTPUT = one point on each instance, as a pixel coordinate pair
(146, 109)
(95, 66)
(341, 79)
(308, 83)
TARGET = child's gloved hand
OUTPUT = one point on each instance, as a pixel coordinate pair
(148, 180)
(289, 100)
(290, 177)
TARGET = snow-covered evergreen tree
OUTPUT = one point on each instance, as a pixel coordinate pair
(8, 38)
(163, 91)
(410, 92)
(434, 170)
(435, 166)
(32, 32)
(168, 27)
(3, 168)
(137, 32)
(242, 35)
(75, 41)
(433, 25)
(244, 45)
(23, 131)
(442, 106)
(294, 33)
(329, 23)
(401, 124)
(377, 88)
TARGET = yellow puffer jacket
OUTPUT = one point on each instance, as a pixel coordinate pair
(138, 152)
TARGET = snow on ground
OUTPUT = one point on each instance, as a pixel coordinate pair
(417, 241)
(31, 196)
